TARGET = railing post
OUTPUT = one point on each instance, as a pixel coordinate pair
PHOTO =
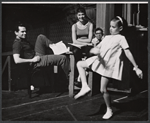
(9, 73)
(8, 61)
(90, 82)
(71, 78)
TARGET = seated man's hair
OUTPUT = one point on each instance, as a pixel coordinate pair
(16, 28)
(99, 29)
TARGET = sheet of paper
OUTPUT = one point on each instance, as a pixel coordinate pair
(59, 48)
(76, 45)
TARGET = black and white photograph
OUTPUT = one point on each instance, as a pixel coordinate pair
(74, 61)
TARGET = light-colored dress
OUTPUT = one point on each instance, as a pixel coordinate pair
(108, 63)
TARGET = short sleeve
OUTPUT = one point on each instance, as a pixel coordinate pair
(124, 43)
(93, 40)
(16, 47)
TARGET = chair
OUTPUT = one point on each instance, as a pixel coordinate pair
(29, 72)
(22, 74)
(44, 74)
(14, 72)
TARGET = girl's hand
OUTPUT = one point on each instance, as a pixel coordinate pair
(95, 51)
(139, 73)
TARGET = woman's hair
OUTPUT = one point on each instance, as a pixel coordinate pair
(81, 9)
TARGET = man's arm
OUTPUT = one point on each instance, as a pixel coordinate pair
(17, 59)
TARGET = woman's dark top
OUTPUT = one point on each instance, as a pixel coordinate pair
(82, 33)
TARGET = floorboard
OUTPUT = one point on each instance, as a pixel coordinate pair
(17, 106)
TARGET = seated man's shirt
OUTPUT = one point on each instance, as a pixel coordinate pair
(95, 41)
(24, 48)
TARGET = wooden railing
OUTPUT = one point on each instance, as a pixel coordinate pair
(7, 62)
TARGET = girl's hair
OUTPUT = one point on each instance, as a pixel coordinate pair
(121, 22)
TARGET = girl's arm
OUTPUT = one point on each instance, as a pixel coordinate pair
(95, 51)
(131, 59)
(82, 41)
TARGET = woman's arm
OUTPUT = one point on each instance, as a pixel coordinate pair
(90, 35)
(17, 59)
(131, 59)
(74, 37)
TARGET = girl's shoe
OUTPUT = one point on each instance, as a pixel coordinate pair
(108, 114)
(82, 92)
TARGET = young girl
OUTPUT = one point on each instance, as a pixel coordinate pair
(107, 62)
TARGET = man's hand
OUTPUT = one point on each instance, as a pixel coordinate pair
(36, 59)
(95, 42)
(50, 45)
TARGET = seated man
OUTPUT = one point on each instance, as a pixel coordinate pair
(98, 36)
(23, 51)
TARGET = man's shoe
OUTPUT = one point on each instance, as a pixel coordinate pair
(32, 87)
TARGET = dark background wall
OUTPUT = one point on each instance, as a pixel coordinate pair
(53, 20)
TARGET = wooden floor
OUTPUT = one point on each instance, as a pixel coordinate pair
(17, 106)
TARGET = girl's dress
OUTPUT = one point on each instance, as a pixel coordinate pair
(109, 63)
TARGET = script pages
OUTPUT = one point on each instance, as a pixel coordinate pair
(79, 45)
(59, 48)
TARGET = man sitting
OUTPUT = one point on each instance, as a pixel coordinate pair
(23, 51)
(98, 36)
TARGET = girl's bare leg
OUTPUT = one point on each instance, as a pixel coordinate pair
(79, 77)
(81, 65)
(104, 84)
